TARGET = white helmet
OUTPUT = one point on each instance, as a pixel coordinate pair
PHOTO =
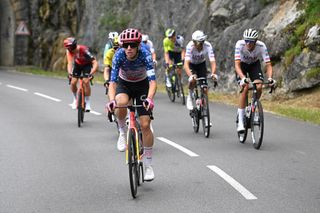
(145, 37)
(112, 35)
(180, 40)
(250, 34)
(198, 36)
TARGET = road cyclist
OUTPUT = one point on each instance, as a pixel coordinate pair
(133, 77)
(80, 62)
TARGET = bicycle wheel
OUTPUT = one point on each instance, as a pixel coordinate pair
(195, 119)
(132, 163)
(80, 110)
(171, 91)
(242, 136)
(205, 116)
(257, 125)
(180, 92)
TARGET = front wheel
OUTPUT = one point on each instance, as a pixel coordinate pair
(80, 109)
(133, 163)
(205, 116)
(257, 125)
(195, 119)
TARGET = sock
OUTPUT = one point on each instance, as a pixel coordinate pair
(190, 92)
(87, 99)
(74, 96)
(147, 156)
(241, 115)
(122, 126)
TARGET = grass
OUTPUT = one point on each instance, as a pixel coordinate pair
(304, 105)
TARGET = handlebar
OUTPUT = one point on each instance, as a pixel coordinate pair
(250, 83)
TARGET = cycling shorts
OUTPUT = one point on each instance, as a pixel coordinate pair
(200, 70)
(78, 69)
(252, 70)
(138, 90)
(175, 57)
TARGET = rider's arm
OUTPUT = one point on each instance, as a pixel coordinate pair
(238, 69)
(213, 67)
(70, 62)
(152, 89)
(94, 67)
(183, 54)
(112, 91)
(187, 67)
(166, 47)
(269, 69)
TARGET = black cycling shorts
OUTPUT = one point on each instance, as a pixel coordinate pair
(138, 90)
(252, 70)
(200, 70)
(78, 69)
(175, 57)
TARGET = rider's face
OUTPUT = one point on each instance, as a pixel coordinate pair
(250, 45)
(131, 50)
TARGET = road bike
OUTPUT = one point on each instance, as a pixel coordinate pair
(176, 89)
(81, 105)
(134, 148)
(253, 118)
(200, 102)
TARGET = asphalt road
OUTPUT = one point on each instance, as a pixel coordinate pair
(48, 164)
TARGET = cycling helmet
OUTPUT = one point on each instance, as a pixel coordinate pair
(170, 32)
(180, 40)
(250, 34)
(115, 42)
(130, 35)
(145, 37)
(112, 35)
(199, 36)
(70, 43)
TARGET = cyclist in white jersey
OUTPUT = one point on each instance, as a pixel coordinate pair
(149, 43)
(247, 63)
(195, 61)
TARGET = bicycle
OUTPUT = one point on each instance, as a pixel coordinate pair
(134, 150)
(200, 109)
(253, 118)
(81, 105)
(176, 89)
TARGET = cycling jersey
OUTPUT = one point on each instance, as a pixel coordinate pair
(108, 58)
(150, 45)
(196, 57)
(144, 45)
(169, 45)
(81, 56)
(132, 71)
(106, 48)
(244, 55)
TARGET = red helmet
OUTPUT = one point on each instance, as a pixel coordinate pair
(70, 43)
(130, 36)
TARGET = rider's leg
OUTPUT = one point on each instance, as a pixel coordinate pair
(241, 109)
(87, 93)
(122, 99)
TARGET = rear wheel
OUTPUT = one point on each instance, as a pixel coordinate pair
(132, 164)
(205, 116)
(257, 125)
(171, 90)
(180, 92)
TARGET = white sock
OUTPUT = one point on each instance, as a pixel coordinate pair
(147, 156)
(122, 126)
(241, 115)
(87, 99)
(74, 96)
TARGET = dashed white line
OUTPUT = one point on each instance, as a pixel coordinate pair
(17, 88)
(236, 185)
(95, 113)
(177, 146)
(47, 97)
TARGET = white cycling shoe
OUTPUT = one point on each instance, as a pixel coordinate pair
(148, 173)
(189, 103)
(168, 82)
(121, 144)
(88, 107)
(240, 128)
(74, 104)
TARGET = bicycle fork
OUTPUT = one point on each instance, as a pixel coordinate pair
(132, 126)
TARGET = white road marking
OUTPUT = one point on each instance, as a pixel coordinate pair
(47, 97)
(177, 146)
(236, 185)
(95, 113)
(18, 88)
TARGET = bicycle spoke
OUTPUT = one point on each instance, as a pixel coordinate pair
(257, 125)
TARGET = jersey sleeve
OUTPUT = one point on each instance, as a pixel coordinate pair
(237, 51)
(108, 58)
(116, 63)
(166, 45)
(188, 51)
(210, 52)
(88, 55)
(149, 66)
(265, 54)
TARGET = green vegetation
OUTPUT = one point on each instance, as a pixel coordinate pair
(310, 115)
(114, 21)
(313, 73)
(299, 29)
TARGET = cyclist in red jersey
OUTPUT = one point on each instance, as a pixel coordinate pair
(80, 60)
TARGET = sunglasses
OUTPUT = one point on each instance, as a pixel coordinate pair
(250, 41)
(132, 45)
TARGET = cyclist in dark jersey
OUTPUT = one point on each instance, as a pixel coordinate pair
(133, 76)
(80, 60)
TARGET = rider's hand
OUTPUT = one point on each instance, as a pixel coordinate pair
(214, 76)
(244, 81)
(148, 104)
(111, 106)
(69, 75)
(106, 84)
(155, 63)
(90, 76)
(272, 82)
(192, 77)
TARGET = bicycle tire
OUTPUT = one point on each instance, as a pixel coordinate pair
(79, 107)
(242, 136)
(181, 92)
(170, 91)
(195, 119)
(257, 125)
(132, 163)
(205, 116)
